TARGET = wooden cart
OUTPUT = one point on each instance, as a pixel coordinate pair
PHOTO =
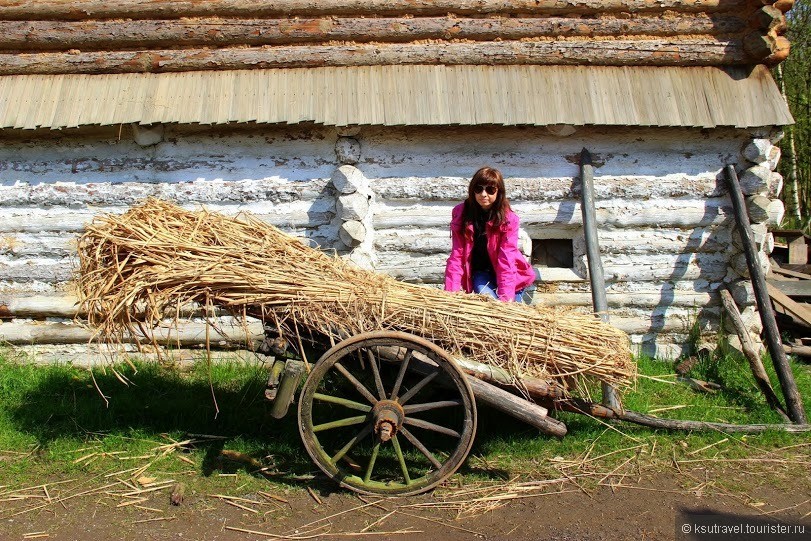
(389, 412)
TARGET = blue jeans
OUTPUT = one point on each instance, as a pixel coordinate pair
(484, 283)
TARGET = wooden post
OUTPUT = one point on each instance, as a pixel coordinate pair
(596, 277)
(515, 406)
(761, 378)
(793, 400)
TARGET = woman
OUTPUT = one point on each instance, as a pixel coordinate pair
(484, 256)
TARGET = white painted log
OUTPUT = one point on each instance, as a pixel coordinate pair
(776, 185)
(776, 211)
(347, 150)
(636, 300)
(774, 158)
(553, 188)
(712, 267)
(755, 180)
(743, 293)
(39, 269)
(35, 220)
(757, 207)
(537, 216)
(86, 356)
(353, 206)
(768, 243)
(37, 245)
(108, 194)
(348, 179)
(184, 334)
(612, 241)
(641, 325)
(738, 264)
(759, 235)
(352, 233)
(758, 150)
(38, 306)
(239, 165)
(663, 350)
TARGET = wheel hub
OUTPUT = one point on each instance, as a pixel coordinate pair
(388, 418)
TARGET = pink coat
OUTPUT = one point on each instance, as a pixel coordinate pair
(513, 271)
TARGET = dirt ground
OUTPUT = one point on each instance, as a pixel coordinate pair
(650, 506)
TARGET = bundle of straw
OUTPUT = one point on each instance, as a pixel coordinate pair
(138, 266)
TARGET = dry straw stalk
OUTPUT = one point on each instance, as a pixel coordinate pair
(136, 267)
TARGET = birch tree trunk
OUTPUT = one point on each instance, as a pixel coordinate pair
(791, 193)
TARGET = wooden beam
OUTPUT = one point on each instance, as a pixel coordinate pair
(792, 288)
(146, 9)
(794, 402)
(515, 406)
(643, 52)
(792, 308)
(755, 364)
(595, 264)
(144, 34)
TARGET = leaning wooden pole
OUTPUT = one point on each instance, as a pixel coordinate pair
(793, 400)
(596, 277)
(761, 378)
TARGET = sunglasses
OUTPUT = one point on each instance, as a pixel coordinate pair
(491, 190)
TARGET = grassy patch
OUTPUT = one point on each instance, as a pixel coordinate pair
(54, 424)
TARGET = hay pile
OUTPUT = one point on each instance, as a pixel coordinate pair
(137, 266)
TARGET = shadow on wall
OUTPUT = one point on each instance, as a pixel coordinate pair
(682, 263)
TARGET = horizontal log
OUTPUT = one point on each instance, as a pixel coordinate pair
(428, 270)
(65, 305)
(184, 334)
(87, 356)
(16, 220)
(146, 34)
(769, 18)
(612, 241)
(140, 9)
(650, 185)
(43, 192)
(536, 218)
(521, 409)
(643, 52)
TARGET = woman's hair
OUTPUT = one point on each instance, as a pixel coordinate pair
(486, 176)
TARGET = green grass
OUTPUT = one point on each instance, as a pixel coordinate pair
(52, 417)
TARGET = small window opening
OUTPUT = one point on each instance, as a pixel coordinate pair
(557, 253)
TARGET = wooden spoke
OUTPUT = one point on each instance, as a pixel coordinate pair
(401, 374)
(401, 459)
(376, 372)
(342, 402)
(349, 421)
(358, 385)
(414, 408)
(372, 460)
(418, 387)
(365, 431)
(418, 444)
(419, 423)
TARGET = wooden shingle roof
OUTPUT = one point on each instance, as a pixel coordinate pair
(402, 95)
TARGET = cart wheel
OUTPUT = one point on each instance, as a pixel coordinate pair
(387, 413)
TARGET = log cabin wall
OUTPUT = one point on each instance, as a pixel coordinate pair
(382, 196)
(95, 36)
